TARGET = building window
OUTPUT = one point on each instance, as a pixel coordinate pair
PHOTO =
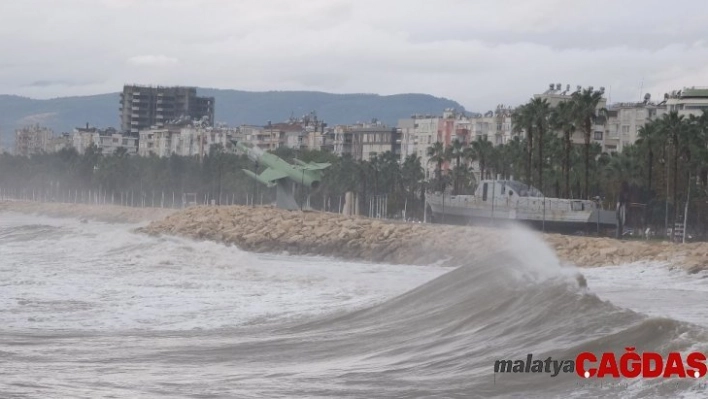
(625, 129)
(598, 136)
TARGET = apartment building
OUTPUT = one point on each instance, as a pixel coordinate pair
(147, 107)
(194, 141)
(107, 140)
(32, 140)
(264, 137)
(58, 143)
(555, 95)
(156, 142)
(321, 138)
(494, 126)
(688, 101)
(365, 140)
(183, 140)
(624, 121)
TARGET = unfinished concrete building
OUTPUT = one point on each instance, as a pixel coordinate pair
(146, 107)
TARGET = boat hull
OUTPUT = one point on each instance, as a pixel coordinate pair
(550, 214)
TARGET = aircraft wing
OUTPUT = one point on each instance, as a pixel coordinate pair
(315, 166)
(271, 175)
(312, 165)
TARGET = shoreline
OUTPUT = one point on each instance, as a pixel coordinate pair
(313, 233)
(100, 213)
(271, 230)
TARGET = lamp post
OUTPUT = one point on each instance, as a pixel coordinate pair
(666, 210)
(665, 161)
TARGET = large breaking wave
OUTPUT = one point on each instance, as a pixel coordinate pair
(437, 340)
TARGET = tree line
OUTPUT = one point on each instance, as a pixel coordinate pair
(218, 176)
(671, 152)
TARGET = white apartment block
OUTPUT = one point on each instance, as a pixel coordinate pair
(364, 141)
(427, 128)
(321, 139)
(409, 140)
(191, 141)
(183, 141)
(155, 142)
(688, 101)
(296, 140)
(267, 138)
(494, 126)
(623, 123)
(108, 141)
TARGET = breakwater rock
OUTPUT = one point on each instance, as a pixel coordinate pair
(273, 230)
(101, 213)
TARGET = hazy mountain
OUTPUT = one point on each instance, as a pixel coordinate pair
(233, 107)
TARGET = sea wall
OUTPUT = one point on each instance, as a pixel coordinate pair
(103, 213)
(273, 230)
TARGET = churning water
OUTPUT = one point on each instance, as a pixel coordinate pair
(94, 310)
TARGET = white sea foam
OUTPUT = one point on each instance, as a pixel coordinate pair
(103, 277)
(654, 289)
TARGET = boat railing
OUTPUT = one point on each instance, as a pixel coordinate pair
(516, 203)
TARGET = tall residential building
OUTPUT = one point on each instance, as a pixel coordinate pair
(495, 126)
(623, 123)
(363, 141)
(146, 107)
(32, 140)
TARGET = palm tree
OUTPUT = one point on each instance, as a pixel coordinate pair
(563, 119)
(540, 109)
(624, 167)
(585, 103)
(523, 120)
(676, 128)
(648, 137)
(436, 153)
(481, 150)
(462, 174)
(456, 151)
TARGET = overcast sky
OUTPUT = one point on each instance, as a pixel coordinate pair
(479, 53)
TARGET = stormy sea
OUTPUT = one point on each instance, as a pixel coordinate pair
(91, 310)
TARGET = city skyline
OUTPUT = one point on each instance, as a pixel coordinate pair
(478, 54)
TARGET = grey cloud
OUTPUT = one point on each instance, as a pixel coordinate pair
(477, 52)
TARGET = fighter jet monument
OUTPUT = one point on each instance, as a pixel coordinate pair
(283, 175)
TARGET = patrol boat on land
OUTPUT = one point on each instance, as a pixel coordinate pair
(510, 200)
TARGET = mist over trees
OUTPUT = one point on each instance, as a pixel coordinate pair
(666, 168)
